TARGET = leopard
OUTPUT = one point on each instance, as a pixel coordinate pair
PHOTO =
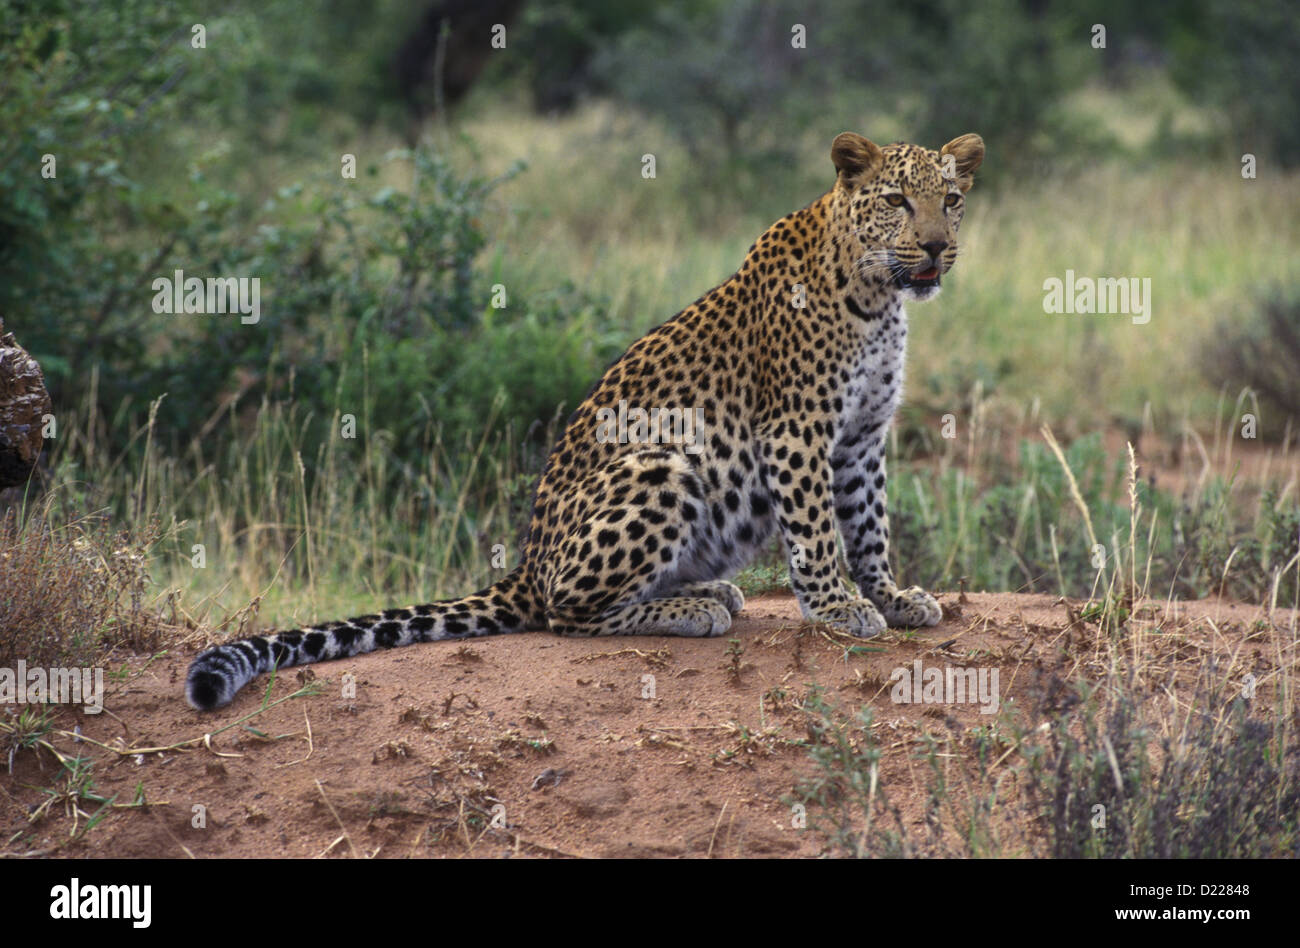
(768, 400)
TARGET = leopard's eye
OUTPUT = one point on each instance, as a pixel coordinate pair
(951, 200)
(894, 200)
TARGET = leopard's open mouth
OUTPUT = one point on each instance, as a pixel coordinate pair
(924, 278)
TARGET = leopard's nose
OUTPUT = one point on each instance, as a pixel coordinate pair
(934, 248)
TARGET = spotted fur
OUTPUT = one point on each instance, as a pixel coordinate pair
(794, 368)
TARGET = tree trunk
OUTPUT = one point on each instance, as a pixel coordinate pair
(24, 403)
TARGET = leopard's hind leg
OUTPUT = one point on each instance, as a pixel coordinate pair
(616, 573)
(728, 594)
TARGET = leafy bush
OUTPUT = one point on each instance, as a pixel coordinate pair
(1221, 784)
(82, 88)
(557, 43)
(727, 79)
(368, 291)
(1240, 57)
(1259, 350)
(372, 295)
(1106, 774)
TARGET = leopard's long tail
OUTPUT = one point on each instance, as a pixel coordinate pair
(215, 676)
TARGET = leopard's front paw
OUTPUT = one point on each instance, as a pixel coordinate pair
(858, 617)
(911, 607)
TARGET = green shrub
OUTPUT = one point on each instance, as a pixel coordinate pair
(1259, 350)
(1240, 57)
(1100, 771)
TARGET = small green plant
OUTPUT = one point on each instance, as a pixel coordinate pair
(735, 651)
(761, 577)
(1110, 612)
(77, 788)
(26, 729)
(845, 797)
(542, 745)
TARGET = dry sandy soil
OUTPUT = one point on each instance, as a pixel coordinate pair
(557, 739)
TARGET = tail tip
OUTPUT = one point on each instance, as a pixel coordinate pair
(205, 690)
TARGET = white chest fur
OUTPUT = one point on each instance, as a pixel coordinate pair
(875, 385)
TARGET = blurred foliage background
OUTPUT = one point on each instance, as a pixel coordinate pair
(520, 168)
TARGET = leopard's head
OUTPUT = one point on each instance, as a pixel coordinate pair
(903, 205)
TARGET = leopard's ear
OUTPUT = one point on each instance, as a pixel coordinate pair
(967, 153)
(856, 159)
